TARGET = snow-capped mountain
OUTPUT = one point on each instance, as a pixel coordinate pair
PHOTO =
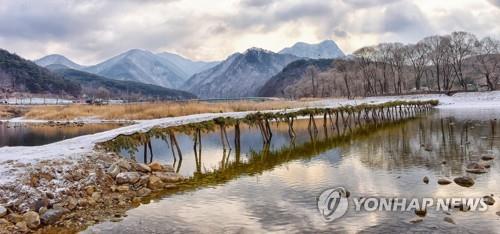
(57, 59)
(240, 75)
(325, 49)
(189, 67)
(142, 66)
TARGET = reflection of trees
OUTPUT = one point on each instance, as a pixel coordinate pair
(425, 143)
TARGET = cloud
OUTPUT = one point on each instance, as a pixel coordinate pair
(495, 2)
(90, 31)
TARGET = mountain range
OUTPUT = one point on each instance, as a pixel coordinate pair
(240, 75)
(20, 76)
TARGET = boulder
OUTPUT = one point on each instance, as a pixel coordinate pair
(464, 181)
(168, 177)
(155, 183)
(141, 167)
(3, 211)
(51, 216)
(127, 177)
(443, 181)
(32, 219)
(155, 166)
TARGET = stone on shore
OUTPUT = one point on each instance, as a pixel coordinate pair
(32, 219)
(127, 177)
(51, 216)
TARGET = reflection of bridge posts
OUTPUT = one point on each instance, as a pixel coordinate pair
(237, 141)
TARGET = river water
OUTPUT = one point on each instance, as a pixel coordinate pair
(27, 134)
(275, 188)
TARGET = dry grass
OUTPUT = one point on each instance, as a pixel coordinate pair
(150, 110)
(7, 112)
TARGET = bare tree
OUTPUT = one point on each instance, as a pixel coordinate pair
(461, 47)
(417, 57)
(487, 61)
(312, 72)
(436, 45)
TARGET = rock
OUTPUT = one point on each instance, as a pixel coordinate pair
(22, 227)
(168, 168)
(443, 181)
(155, 183)
(71, 203)
(3, 211)
(42, 210)
(421, 212)
(4, 222)
(122, 188)
(464, 181)
(141, 167)
(41, 202)
(113, 170)
(127, 177)
(487, 157)
(416, 220)
(32, 219)
(143, 192)
(168, 177)
(489, 200)
(155, 166)
(475, 168)
(498, 213)
(123, 164)
(428, 148)
(426, 179)
(449, 220)
(58, 206)
(96, 196)
(50, 195)
(143, 181)
(90, 189)
(15, 218)
(51, 216)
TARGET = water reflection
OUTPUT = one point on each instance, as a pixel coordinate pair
(23, 134)
(274, 187)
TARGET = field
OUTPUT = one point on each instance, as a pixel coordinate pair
(142, 111)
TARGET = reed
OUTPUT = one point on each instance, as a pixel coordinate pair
(142, 111)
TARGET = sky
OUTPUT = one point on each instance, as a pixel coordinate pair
(90, 31)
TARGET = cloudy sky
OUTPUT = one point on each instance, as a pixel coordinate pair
(89, 31)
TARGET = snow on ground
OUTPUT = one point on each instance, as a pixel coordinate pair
(78, 146)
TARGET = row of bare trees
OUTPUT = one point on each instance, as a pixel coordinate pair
(458, 61)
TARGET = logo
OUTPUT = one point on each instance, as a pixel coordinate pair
(333, 203)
